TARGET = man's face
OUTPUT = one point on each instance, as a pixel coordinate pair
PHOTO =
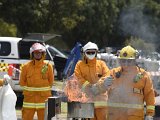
(127, 62)
(37, 55)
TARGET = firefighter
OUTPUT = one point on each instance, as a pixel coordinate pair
(89, 70)
(36, 79)
(130, 89)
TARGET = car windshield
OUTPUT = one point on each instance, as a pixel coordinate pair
(55, 52)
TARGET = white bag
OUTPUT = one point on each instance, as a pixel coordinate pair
(157, 100)
(1, 99)
(7, 103)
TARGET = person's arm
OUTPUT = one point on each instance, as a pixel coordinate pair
(78, 74)
(149, 96)
(51, 74)
(105, 72)
(105, 69)
(1, 82)
(104, 82)
(23, 76)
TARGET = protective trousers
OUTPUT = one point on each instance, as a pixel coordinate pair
(28, 113)
(100, 113)
(120, 115)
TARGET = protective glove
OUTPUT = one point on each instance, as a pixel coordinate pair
(100, 88)
(5, 82)
(148, 118)
(85, 86)
(87, 89)
(108, 81)
(95, 89)
(6, 79)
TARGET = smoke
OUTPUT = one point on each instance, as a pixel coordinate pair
(133, 22)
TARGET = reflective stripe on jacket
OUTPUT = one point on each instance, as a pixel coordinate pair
(123, 105)
(100, 103)
(36, 88)
(150, 108)
(33, 105)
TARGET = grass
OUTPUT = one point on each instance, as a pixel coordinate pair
(64, 108)
(58, 84)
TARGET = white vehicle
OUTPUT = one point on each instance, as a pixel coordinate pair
(14, 52)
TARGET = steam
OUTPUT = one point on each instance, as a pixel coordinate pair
(133, 22)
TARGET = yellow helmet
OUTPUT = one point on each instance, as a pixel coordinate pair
(127, 53)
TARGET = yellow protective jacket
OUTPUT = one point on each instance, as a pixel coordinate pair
(36, 85)
(92, 71)
(130, 90)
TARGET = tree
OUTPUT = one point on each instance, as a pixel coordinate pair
(28, 16)
(105, 22)
(7, 29)
(86, 20)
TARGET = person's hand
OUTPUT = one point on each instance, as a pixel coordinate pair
(5, 82)
(148, 118)
(108, 81)
(87, 89)
(6, 79)
(95, 90)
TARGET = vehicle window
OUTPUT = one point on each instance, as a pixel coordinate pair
(24, 48)
(53, 53)
(48, 57)
(5, 48)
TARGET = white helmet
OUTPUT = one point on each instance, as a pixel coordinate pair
(90, 46)
(37, 47)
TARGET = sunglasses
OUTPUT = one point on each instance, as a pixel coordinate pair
(90, 52)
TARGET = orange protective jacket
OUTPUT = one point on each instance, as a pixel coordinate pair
(92, 71)
(128, 94)
(36, 85)
(1, 82)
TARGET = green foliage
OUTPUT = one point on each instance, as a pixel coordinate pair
(140, 44)
(92, 21)
(7, 29)
(153, 6)
(82, 20)
(29, 16)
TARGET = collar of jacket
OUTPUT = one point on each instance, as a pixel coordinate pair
(89, 62)
(37, 62)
